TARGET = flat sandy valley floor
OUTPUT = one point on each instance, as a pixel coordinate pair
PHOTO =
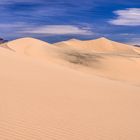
(70, 90)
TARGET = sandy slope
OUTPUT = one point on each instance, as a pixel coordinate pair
(48, 102)
(107, 58)
(32, 47)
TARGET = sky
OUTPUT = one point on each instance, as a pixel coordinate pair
(57, 20)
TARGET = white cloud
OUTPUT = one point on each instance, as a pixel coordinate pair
(128, 17)
(59, 30)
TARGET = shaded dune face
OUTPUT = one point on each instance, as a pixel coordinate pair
(81, 58)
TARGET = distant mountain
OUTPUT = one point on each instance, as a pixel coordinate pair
(3, 40)
(137, 45)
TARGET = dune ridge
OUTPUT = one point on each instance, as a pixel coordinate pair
(103, 45)
(51, 92)
(30, 46)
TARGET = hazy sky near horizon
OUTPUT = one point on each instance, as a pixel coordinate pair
(56, 20)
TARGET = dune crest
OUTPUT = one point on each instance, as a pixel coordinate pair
(27, 45)
(101, 45)
(35, 48)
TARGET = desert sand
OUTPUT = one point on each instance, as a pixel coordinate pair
(98, 45)
(69, 91)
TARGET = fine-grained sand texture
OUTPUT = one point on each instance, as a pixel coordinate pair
(50, 92)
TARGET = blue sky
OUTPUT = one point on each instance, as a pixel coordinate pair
(56, 20)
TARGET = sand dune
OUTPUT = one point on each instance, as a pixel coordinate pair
(52, 101)
(106, 58)
(100, 57)
(31, 47)
(37, 49)
(99, 45)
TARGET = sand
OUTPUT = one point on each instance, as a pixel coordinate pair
(101, 45)
(106, 58)
(50, 100)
